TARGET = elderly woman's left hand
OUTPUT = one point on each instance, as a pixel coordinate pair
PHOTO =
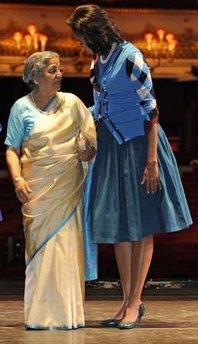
(151, 177)
(85, 151)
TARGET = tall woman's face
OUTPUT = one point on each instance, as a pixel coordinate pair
(85, 44)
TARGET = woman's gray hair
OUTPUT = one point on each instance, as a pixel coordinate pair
(35, 64)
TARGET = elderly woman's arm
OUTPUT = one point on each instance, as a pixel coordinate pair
(21, 187)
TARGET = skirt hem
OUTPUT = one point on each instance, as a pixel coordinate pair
(168, 230)
(38, 327)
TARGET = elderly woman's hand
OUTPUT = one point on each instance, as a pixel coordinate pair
(85, 151)
(22, 190)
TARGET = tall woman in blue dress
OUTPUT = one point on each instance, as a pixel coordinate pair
(136, 189)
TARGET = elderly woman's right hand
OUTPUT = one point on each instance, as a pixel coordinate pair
(22, 190)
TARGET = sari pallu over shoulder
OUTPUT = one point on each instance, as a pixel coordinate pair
(56, 179)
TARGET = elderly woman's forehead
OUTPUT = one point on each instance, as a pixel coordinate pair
(53, 60)
(42, 60)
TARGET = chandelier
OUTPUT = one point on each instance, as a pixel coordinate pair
(31, 41)
(160, 45)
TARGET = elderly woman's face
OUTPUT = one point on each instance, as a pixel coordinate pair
(50, 79)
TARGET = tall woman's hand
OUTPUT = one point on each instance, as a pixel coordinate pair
(151, 177)
(22, 190)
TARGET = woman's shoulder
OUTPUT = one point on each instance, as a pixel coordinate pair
(129, 50)
(21, 111)
(20, 103)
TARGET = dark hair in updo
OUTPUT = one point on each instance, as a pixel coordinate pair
(93, 24)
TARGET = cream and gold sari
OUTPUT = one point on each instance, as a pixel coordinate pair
(54, 285)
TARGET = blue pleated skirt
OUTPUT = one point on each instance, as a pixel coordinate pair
(121, 209)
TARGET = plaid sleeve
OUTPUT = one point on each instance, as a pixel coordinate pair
(139, 73)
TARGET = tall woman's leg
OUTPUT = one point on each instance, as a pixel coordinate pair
(141, 259)
(123, 254)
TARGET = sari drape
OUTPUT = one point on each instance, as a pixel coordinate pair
(54, 285)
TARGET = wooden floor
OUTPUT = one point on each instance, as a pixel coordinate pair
(171, 321)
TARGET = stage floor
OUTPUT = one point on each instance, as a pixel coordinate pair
(171, 315)
(166, 321)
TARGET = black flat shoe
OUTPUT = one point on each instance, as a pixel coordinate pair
(111, 323)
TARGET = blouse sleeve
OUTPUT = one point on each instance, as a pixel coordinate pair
(139, 73)
(15, 128)
(87, 125)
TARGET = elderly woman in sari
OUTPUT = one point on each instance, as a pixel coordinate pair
(45, 157)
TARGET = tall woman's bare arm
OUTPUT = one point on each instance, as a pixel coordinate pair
(151, 172)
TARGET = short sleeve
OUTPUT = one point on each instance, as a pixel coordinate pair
(15, 128)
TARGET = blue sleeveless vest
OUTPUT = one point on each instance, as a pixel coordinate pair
(117, 103)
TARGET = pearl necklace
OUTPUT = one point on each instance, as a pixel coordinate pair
(35, 105)
(105, 60)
